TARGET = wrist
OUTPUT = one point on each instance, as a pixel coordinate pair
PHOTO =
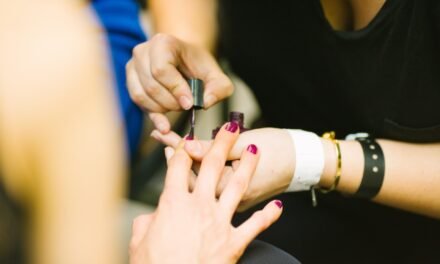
(309, 160)
(330, 163)
(351, 169)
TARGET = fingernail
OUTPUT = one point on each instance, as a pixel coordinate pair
(185, 102)
(210, 99)
(252, 149)
(279, 204)
(232, 127)
(161, 127)
(155, 134)
(189, 137)
(168, 152)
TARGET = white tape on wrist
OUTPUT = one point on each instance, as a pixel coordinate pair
(309, 165)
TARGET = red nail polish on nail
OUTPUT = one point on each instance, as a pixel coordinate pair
(232, 127)
(279, 204)
(189, 137)
(252, 149)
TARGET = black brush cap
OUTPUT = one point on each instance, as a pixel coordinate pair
(196, 86)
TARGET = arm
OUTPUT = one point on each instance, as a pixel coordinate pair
(193, 21)
(412, 174)
(60, 131)
(412, 171)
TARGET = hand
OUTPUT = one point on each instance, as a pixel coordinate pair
(156, 77)
(273, 173)
(195, 227)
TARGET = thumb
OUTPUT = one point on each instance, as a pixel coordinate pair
(216, 89)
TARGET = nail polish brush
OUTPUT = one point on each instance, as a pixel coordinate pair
(196, 86)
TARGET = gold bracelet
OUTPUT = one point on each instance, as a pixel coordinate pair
(330, 136)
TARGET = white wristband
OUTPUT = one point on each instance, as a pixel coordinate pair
(309, 165)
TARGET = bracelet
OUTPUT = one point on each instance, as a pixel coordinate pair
(330, 136)
(309, 155)
(374, 168)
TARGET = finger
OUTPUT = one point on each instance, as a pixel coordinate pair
(169, 152)
(239, 182)
(202, 64)
(235, 164)
(157, 92)
(179, 166)
(137, 93)
(164, 60)
(214, 161)
(217, 88)
(139, 229)
(170, 139)
(160, 122)
(197, 149)
(258, 222)
(192, 181)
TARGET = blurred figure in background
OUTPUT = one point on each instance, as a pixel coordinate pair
(120, 20)
(61, 141)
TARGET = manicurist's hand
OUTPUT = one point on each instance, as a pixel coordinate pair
(195, 226)
(158, 72)
(274, 171)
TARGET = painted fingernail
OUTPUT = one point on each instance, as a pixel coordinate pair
(279, 204)
(189, 137)
(185, 102)
(232, 127)
(252, 149)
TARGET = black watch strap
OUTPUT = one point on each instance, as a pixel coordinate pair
(374, 169)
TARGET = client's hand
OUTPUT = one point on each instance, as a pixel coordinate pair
(195, 227)
(275, 168)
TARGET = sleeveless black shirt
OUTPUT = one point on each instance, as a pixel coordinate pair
(383, 79)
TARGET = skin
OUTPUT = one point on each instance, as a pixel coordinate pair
(403, 161)
(198, 222)
(62, 155)
(63, 163)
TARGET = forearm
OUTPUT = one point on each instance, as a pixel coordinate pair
(412, 174)
(193, 21)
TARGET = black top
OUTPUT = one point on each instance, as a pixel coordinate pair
(383, 79)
